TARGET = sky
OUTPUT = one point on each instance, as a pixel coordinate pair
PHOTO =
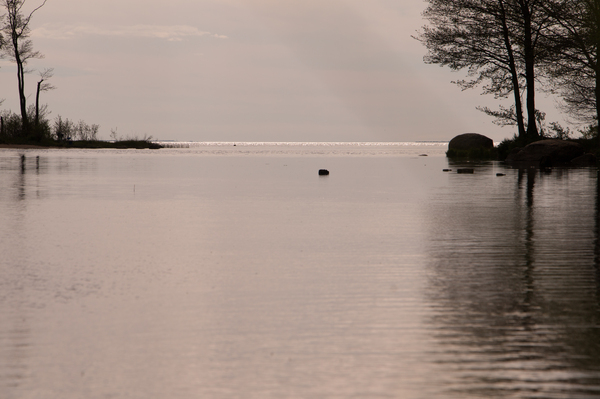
(249, 70)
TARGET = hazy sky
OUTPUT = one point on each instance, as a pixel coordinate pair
(248, 70)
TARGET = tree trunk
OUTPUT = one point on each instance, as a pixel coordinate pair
(21, 84)
(597, 99)
(513, 72)
(532, 130)
(37, 103)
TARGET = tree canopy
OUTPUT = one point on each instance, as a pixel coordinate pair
(509, 46)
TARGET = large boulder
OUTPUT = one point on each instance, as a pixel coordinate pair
(470, 141)
(547, 152)
(584, 160)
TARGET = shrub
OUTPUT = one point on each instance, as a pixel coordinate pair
(63, 129)
(86, 132)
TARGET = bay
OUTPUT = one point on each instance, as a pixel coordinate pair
(219, 271)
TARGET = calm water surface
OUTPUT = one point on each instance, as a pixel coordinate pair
(237, 272)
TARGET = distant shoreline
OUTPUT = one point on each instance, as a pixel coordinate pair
(23, 147)
(124, 144)
(187, 144)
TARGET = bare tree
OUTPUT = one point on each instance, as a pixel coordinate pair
(20, 48)
(42, 85)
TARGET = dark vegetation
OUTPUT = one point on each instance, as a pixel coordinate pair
(515, 48)
(31, 125)
(588, 140)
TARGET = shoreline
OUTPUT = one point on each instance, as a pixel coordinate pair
(23, 147)
(125, 144)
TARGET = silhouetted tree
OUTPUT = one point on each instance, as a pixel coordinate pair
(20, 48)
(573, 66)
(496, 41)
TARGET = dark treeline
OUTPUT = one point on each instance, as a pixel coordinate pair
(515, 48)
(31, 124)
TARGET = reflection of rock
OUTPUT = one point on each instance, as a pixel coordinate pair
(470, 141)
(547, 152)
(513, 153)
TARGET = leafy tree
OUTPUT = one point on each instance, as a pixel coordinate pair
(573, 66)
(20, 48)
(497, 41)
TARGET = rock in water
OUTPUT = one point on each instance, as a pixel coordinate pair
(323, 172)
(470, 141)
(584, 160)
(547, 152)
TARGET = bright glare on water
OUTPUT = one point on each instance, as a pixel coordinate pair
(221, 271)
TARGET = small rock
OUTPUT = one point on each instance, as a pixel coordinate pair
(323, 172)
(500, 174)
(423, 155)
(446, 170)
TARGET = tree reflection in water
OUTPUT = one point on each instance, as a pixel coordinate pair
(514, 283)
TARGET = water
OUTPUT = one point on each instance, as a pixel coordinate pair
(214, 271)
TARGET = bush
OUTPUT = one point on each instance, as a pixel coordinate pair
(67, 130)
(11, 129)
(85, 132)
(507, 145)
(11, 126)
(63, 129)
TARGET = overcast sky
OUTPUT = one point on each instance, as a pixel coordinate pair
(248, 70)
